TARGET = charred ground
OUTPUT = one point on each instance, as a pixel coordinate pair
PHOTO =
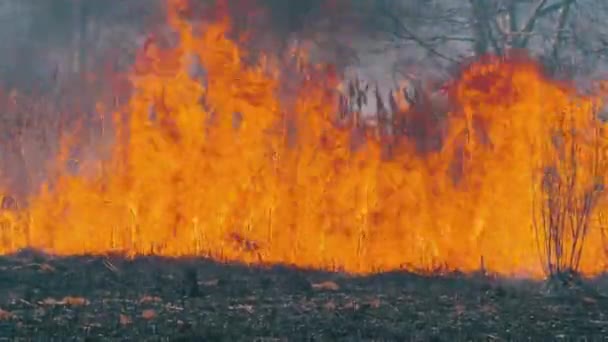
(115, 298)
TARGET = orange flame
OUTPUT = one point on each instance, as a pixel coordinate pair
(219, 170)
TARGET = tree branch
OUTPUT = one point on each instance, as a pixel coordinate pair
(529, 26)
(554, 8)
(561, 23)
(484, 27)
(409, 34)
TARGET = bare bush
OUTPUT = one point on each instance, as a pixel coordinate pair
(570, 188)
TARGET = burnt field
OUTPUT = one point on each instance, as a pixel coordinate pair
(101, 298)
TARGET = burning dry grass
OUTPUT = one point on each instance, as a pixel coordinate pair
(219, 165)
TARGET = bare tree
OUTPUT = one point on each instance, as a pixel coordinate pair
(450, 31)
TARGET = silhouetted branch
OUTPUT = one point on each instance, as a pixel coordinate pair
(403, 32)
(561, 24)
(530, 23)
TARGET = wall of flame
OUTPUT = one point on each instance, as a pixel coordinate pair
(226, 169)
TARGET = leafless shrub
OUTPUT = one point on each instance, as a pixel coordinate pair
(570, 188)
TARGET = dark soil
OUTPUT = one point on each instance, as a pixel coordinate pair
(112, 298)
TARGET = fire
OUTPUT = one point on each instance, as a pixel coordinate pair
(226, 168)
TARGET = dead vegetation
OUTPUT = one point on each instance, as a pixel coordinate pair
(571, 186)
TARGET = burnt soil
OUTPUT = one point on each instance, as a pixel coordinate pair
(151, 298)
